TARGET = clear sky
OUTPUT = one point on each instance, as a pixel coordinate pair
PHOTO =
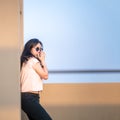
(77, 35)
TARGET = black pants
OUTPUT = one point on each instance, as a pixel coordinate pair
(30, 105)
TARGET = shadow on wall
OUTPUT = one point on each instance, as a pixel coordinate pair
(9, 83)
(23, 115)
(82, 112)
(9, 76)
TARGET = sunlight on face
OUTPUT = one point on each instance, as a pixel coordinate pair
(36, 50)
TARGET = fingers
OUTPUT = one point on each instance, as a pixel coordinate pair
(41, 56)
(42, 53)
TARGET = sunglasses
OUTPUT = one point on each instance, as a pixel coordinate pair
(38, 49)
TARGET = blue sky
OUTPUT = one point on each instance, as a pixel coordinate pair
(77, 35)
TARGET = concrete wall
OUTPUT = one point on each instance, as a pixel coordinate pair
(9, 60)
(82, 101)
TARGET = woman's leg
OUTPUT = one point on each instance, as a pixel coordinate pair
(30, 105)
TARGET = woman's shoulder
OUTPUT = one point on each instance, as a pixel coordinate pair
(33, 60)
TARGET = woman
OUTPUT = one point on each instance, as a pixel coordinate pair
(33, 71)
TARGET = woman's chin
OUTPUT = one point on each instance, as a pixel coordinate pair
(37, 55)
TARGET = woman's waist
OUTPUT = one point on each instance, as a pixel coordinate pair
(34, 92)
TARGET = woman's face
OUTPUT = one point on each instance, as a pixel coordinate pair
(36, 50)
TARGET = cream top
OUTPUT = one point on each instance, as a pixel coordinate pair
(29, 79)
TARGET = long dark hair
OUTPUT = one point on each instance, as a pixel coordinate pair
(26, 54)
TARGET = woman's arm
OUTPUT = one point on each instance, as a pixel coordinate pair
(41, 70)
